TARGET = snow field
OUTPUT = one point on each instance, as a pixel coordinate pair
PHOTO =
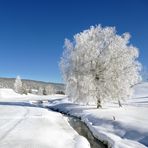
(28, 126)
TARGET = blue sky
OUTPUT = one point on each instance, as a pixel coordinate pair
(32, 32)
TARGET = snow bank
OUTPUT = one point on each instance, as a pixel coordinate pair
(81, 142)
(8, 93)
(23, 125)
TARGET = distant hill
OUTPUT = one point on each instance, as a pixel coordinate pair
(31, 84)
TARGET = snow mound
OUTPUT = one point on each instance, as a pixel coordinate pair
(81, 142)
(8, 93)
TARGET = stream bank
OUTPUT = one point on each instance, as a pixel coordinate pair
(82, 129)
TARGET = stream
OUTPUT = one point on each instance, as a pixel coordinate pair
(81, 128)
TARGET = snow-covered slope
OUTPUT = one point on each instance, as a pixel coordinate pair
(125, 127)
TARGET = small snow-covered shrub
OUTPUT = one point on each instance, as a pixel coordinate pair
(18, 87)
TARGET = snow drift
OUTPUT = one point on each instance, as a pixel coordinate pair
(8, 93)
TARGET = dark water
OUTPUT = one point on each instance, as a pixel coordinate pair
(83, 130)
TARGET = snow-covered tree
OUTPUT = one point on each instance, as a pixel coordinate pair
(40, 91)
(99, 65)
(50, 89)
(44, 92)
(18, 87)
(24, 89)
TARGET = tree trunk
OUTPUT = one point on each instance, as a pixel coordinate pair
(99, 103)
(120, 105)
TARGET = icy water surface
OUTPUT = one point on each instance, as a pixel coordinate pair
(83, 130)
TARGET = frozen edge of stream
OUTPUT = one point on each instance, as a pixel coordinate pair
(102, 144)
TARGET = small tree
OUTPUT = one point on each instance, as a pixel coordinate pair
(24, 89)
(18, 87)
(44, 92)
(40, 91)
(99, 65)
(30, 91)
(50, 89)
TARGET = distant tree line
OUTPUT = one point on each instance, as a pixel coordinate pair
(31, 86)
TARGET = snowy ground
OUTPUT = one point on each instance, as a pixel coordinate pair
(125, 127)
(23, 125)
(10, 95)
